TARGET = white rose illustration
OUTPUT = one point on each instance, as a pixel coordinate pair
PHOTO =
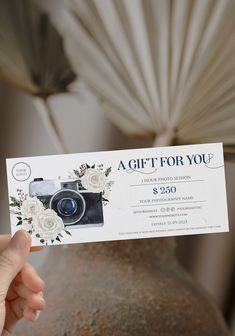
(48, 224)
(31, 207)
(94, 180)
(27, 226)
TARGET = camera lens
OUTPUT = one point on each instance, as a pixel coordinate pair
(67, 206)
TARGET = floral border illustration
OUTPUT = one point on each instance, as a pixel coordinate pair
(95, 178)
(43, 223)
(37, 219)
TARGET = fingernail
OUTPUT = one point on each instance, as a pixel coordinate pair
(20, 240)
(36, 315)
(41, 294)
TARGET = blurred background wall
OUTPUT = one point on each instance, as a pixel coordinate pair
(210, 258)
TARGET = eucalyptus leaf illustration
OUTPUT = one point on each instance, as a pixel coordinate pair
(32, 57)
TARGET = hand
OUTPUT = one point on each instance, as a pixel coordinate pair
(20, 286)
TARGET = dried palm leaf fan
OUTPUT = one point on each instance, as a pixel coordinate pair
(161, 67)
(32, 57)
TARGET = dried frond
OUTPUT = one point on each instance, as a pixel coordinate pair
(32, 55)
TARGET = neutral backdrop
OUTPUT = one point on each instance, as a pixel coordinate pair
(84, 127)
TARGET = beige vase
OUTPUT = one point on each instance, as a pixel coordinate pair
(123, 288)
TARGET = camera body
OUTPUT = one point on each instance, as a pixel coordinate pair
(77, 207)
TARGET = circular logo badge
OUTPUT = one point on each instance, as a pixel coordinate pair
(21, 171)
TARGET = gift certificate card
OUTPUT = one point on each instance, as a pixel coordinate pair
(124, 194)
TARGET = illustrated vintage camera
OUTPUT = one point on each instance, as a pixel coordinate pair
(76, 207)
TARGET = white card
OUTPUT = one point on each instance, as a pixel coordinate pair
(125, 194)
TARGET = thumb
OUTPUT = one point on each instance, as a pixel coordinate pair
(12, 260)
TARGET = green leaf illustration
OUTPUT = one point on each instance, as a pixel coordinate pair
(76, 172)
(14, 202)
(108, 171)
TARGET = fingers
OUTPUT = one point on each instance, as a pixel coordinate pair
(5, 239)
(17, 307)
(15, 311)
(23, 303)
(31, 314)
(30, 278)
(20, 283)
(34, 300)
(12, 259)
(27, 277)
